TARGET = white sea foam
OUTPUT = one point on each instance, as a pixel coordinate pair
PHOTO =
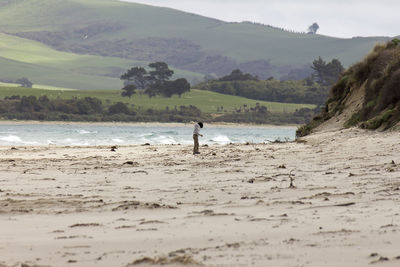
(31, 143)
(84, 132)
(165, 140)
(221, 139)
(68, 141)
(11, 139)
(117, 140)
(75, 142)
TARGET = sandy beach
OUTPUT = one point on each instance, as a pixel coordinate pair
(232, 205)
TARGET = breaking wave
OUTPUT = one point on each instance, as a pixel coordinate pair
(74, 135)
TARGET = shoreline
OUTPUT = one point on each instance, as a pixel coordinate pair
(148, 124)
(37, 133)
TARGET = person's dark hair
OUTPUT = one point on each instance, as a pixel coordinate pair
(201, 124)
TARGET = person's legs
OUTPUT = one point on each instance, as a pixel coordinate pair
(196, 144)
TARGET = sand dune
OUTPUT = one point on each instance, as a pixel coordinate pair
(231, 205)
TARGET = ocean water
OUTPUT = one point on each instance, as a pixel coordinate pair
(94, 134)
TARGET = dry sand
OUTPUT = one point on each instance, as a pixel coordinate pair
(230, 206)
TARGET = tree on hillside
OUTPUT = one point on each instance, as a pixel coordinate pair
(137, 76)
(326, 74)
(333, 69)
(154, 82)
(24, 82)
(160, 72)
(318, 66)
(128, 90)
(152, 90)
(177, 87)
(158, 78)
(181, 86)
(313, 28)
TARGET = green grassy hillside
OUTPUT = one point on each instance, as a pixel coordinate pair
(43, 65)
(206, 101)
(144, 33)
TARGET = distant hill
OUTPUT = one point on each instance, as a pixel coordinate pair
(367, 95)
(196, 44)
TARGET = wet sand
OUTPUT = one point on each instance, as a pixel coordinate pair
(232, 205)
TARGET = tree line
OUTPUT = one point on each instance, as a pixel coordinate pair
(92, 109)
(312, 90)
(270, 90)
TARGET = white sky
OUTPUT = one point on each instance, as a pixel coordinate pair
(339, 18)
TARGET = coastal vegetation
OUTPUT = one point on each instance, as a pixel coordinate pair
(109, 105)
(311, 90)
(368, 93)
(180, 103)
(206, 101)
(271, 90)
(90, 109)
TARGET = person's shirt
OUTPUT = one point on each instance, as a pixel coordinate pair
(196, 129)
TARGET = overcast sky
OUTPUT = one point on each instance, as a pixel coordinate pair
(339, 18)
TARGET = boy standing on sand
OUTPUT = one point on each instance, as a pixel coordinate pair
(196, 133)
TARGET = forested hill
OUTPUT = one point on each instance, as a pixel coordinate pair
(190, 42)
(366, 95)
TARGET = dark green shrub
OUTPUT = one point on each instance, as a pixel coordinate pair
(117, 108)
